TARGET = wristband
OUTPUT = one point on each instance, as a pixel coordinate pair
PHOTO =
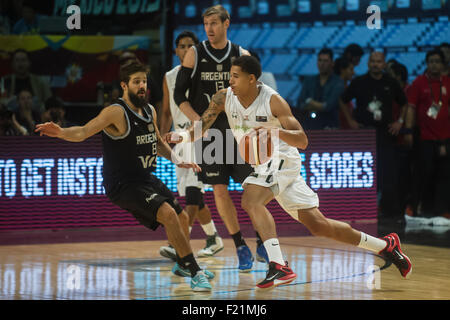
(400, 120)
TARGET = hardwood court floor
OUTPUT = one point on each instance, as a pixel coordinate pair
(134, 270)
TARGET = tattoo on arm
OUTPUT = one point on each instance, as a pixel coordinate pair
(216, 106)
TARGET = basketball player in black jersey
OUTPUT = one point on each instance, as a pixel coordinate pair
(131, 143)
(206, 70)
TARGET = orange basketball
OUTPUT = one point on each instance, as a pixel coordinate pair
(256, 147)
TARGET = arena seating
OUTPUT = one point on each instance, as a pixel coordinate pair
(289, 50)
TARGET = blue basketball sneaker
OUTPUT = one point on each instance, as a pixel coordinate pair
(181, 272)
(199, 282)
(261, 254)
(245, 258)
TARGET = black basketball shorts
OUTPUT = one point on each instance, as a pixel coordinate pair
(143, 199)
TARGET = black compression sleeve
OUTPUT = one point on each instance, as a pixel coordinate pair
(182, 84)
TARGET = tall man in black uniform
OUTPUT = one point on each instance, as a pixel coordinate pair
(131, 143)
(206, 70)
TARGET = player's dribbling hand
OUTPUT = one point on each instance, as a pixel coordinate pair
(50, 129)
(192, 166)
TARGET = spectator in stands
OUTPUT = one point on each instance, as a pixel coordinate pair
(266, 77)
(429, 96)
(23, 79)
(318, 104)
(404, 141)
(375, 93)
(25, 115)
(445, 48)
(345, 70)
(56, 112)
(389, 65)
(29, 23)
(8, 123)
(353, 52)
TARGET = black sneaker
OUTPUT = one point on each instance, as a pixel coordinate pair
(168, 252)
(393, 253)
(277, 275)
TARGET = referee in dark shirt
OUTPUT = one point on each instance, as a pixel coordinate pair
(375, 93)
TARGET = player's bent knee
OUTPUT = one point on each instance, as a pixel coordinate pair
(166, 215)
(248, 205)
(184, 217)
(221, 190)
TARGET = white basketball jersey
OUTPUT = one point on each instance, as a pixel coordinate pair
(258, 114)
(180, 120)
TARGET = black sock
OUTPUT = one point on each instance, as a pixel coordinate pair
(258, 240)
(190, 263)
(238, 240)
(180, 262)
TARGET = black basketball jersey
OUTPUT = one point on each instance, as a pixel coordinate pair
(211, 73)
(131, 157)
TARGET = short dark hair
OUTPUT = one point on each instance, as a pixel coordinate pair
(400, 70)
(186, 34)
(20, 50)
(355, 50)
(130, 68)
(444, 45)
(249, 65)
(435, 52)
(326, 51)
(340, 64)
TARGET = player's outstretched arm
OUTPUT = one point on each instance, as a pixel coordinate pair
(292, 132)
(111, 115)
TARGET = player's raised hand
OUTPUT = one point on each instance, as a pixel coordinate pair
(50, 129)
(192, 166)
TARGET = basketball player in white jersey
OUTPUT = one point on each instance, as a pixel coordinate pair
(251, 105)
(188, 184)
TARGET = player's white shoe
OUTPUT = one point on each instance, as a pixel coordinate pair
(214, 244)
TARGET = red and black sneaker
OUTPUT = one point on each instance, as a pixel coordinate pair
(393, 253)
(277, 275)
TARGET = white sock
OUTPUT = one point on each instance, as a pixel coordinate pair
(371, 243)
(274, 251)
(209, 228)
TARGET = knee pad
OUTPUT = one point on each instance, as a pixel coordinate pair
(194, 197)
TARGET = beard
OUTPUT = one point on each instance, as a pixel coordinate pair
(136, 100)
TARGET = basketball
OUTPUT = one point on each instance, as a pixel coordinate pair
(256, 147)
